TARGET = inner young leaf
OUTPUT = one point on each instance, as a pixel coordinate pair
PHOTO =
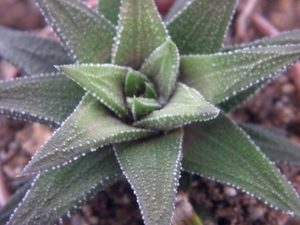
(135, 83)
(162, 68)
(142, 106)
(185, 106)
(100, 80)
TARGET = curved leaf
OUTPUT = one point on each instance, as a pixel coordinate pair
(162, 68)
(185, 106)
(201, 26)
(48, 99)
(277, 148)
(152, 167)
(218, 149)
(87, 35)
(88, 128)
(110, 9)
(55, 193)
(30, 53)
(139, 34)
(137, 84)
(100, 80)
(220, 76)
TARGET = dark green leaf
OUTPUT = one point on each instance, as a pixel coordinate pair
(13, 202)
(150, 91)
(30, 53)
(105, 82)
(87, 35)
(220, 76)
(162, 68)
(201, 26)
(140, 31)
(289, 37)
(48, 99)
(135, 84)
(185, 106)
(88, 128)
(284, 38)
(56, 192)
(152, 167)
(218, 149)
(277, 148)
(109, 9)
(237, 100)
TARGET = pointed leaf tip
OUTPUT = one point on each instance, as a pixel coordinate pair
(139, 34)
(162, 68)
(110, 9)
(89, 127)
(99, 81)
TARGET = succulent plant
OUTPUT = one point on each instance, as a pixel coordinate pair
(132, 94)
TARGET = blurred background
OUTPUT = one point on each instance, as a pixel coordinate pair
(277, 105)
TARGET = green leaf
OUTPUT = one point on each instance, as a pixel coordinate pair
(162, 68)
(139, 34)
(58, 191)
(30, 53)
(110, 9)
(201, 26)
(136, 84)
(100, 80)
(237, 100)
(176, 7)
(48, 99)
(220, 76)
(142, 106)
(277, 148)
(152, 167)
(150, 91)
(14, 201)
(88, 128)
(218, 149)
(185, 106)
(87, 35)
(284, 38)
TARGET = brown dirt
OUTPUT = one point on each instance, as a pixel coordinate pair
(276, 105)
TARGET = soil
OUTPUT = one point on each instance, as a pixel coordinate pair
(276, 105)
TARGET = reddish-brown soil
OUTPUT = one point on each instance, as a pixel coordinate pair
(278, 105)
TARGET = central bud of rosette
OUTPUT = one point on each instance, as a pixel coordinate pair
(141, 95)
(150, 97)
